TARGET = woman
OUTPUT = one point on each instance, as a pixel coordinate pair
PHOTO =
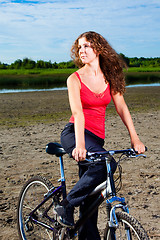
(90, 89)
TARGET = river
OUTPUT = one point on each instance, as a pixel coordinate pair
(65, 88)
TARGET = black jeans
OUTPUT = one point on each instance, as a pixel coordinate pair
(90, 176)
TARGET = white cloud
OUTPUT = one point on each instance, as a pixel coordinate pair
(46, 29)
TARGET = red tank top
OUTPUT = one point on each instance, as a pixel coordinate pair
(94, 108)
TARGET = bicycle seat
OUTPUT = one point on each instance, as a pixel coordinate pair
(55, 149)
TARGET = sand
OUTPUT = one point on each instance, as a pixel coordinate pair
(31, 120)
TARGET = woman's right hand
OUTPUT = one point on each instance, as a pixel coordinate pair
(79, 154)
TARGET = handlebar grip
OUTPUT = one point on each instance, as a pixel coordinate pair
(146, 149)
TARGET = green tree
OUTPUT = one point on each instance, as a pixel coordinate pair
(28, 63)
(55, 65)
(3, 66)
(17, 64)
(40, 64)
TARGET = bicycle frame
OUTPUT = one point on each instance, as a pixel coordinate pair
(105, 190)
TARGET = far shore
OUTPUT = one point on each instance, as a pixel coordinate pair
(49, 78)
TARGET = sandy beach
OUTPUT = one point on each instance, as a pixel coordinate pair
(31, 120)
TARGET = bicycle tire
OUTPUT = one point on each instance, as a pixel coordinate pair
(30, 196)
(124, 219)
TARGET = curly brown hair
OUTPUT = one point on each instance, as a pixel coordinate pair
(110, 62)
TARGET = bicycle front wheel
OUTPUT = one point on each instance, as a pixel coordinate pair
(129, 228)
(32, 194)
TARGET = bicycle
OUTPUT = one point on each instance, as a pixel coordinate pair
(38, 197)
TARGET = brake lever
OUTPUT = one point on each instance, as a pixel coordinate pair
(137, 155)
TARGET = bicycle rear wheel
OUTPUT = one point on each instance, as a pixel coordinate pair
(31, 196)
(127, 225)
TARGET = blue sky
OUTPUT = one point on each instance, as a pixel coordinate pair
(46, 29)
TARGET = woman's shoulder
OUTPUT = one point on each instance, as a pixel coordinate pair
(73, 79)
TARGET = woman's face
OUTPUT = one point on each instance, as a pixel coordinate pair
(86, 52)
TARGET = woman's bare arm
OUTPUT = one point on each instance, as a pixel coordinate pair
(73, 84)
(125, 115)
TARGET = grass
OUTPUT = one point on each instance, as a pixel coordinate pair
(36, 71)
(66, 71)
(143, 69)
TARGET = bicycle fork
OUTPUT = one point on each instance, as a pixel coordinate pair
(112, 218)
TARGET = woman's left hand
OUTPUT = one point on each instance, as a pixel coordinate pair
(138, 146)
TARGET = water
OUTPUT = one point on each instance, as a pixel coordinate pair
(144, 85)
(65, 88)
(31, 90)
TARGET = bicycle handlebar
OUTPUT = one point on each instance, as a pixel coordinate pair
(128, 152)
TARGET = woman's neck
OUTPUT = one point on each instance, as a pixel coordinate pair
(93, 68)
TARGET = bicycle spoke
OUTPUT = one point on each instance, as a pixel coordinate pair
(27, 206)
(49, 235)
